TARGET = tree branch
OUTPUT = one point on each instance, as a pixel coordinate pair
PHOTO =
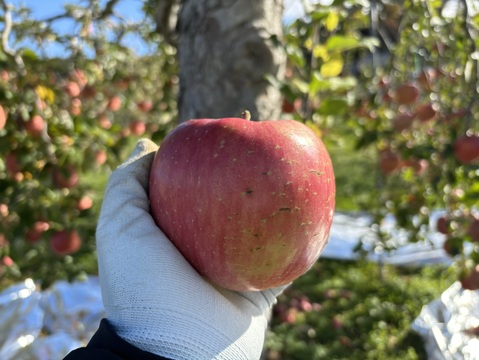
(6, 36)
(166, 18)
(107, 10)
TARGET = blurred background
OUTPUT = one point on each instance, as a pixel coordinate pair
(390, 86)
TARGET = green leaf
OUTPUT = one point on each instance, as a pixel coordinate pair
(29, 54)
(301, 85)
(319, 14)
(335, 106)
(319, 83)
(342, 43)
(370, 43)
(3, 56)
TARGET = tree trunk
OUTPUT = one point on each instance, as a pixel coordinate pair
(226, 49)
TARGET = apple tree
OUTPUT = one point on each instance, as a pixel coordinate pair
(66, 120)
(419, 113)
(226, 51)
(403, 78)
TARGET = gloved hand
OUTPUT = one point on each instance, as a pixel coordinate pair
(153, 297)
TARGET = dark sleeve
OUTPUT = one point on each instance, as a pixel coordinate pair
(107, 345)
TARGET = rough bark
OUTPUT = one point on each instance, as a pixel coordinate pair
(226, 49)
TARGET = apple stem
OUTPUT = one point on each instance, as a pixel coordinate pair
(246, 115)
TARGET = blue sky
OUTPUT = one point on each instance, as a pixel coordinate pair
(130, 10)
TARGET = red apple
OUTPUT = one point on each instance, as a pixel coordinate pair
(403, 121)
(145, 106)
(137, 127)
(65, 242)
(4, 211)
(287, 107)
(72, 89)
(406, 94)
(3, 118)
(305, 305)
(426, 112)
(66, 177)
(75, 107)
(4, 76)
(442, 225)
(471, 280)
(11, 164)
(35, 232)
(114, 104)
(473, 229)
(249, 204)
(79, 77)
(389, 161)
(290, 316)
(7, 261)
(104, 122)
(84, 203)
(101, 157)
(35, 125)
(466, 149)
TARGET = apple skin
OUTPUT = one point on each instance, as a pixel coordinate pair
(406, 94)
(466, 149)
(65, 242)
(248, 204)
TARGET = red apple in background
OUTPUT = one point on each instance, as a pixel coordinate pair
(114, 104)
(466, 149)
(4, 211)
(35, 232)
(4, 76)
(473, 229)
(11, 164)
(145, 106)
(426, 112)
(403, 121)
(79, 77)
(248, 204)
(66, 177)
(389, 161)
(72, 89)
(471, 280)
(137, 127)
(101, 157)
(35, 125)
(3, 118)
(65, 242)
(287, 106)
(406, 94)
(84, 203)
(75, 107)
(104, 122)
(442, 225)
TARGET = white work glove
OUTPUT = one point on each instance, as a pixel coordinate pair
(153, 297)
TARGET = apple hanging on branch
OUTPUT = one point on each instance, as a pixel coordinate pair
(248, 204)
